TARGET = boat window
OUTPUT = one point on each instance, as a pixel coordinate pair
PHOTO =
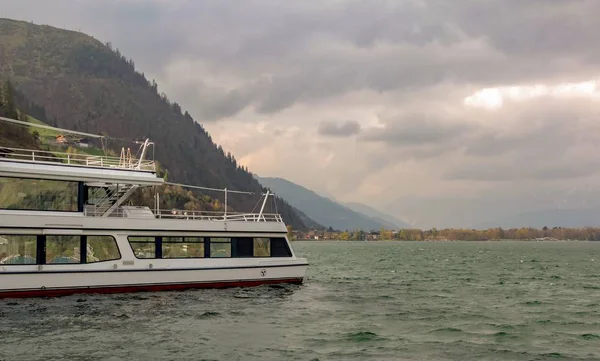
(279, 248)
(63, 249)
(243, 247)
(18, 249)
(38, 194)
(262, 247)
(143, 247)
(220, 247)
(102, 248)
(183, 247)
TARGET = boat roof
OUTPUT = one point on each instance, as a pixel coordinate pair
(87, 172)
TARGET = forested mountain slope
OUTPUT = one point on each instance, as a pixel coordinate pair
(85, 85)
(11, 135)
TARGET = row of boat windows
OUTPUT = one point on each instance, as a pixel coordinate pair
(63, 249)
(208, 247)
(45, 249)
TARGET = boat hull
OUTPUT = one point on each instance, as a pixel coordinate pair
(61, 283)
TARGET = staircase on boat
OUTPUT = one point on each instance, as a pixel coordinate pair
(106, 199)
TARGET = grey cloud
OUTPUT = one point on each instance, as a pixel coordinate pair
(312, 51)
(549, 128)
(211, 103)
(568, 169)
(563, 145)
(505, 200)
(493, 144)
(343, 129)
(280, 93)
(416, 130)
(523, 141)
(535, 28)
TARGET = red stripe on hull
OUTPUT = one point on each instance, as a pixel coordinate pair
(143, 288)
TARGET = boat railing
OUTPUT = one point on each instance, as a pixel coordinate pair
(218, 216)
(75, 159)
(93, 211)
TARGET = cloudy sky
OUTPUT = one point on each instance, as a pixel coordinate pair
(442, 112)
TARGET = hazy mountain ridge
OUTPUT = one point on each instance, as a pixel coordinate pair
(85, 85)
(325, 210)
(570, 218)
(383, 218)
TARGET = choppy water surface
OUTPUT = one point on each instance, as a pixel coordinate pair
(362, 301)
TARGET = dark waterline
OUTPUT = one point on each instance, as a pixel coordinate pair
(361, 301)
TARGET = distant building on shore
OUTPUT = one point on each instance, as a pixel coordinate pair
(83, 143)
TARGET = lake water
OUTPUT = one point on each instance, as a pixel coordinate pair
(361, 301)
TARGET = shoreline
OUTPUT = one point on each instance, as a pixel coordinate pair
(446, 240)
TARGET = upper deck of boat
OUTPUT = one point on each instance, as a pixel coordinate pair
(29, 163)
(39, 164)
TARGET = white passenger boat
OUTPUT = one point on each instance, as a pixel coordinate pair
(93, 243)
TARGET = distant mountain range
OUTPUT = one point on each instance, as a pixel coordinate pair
(570, 218)
(386, 220)
(328, 212)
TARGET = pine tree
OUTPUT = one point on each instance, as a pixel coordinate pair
(10, 109)
(2, 105)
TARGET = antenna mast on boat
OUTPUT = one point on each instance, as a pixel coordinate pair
(262, 208)
(145, 145)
